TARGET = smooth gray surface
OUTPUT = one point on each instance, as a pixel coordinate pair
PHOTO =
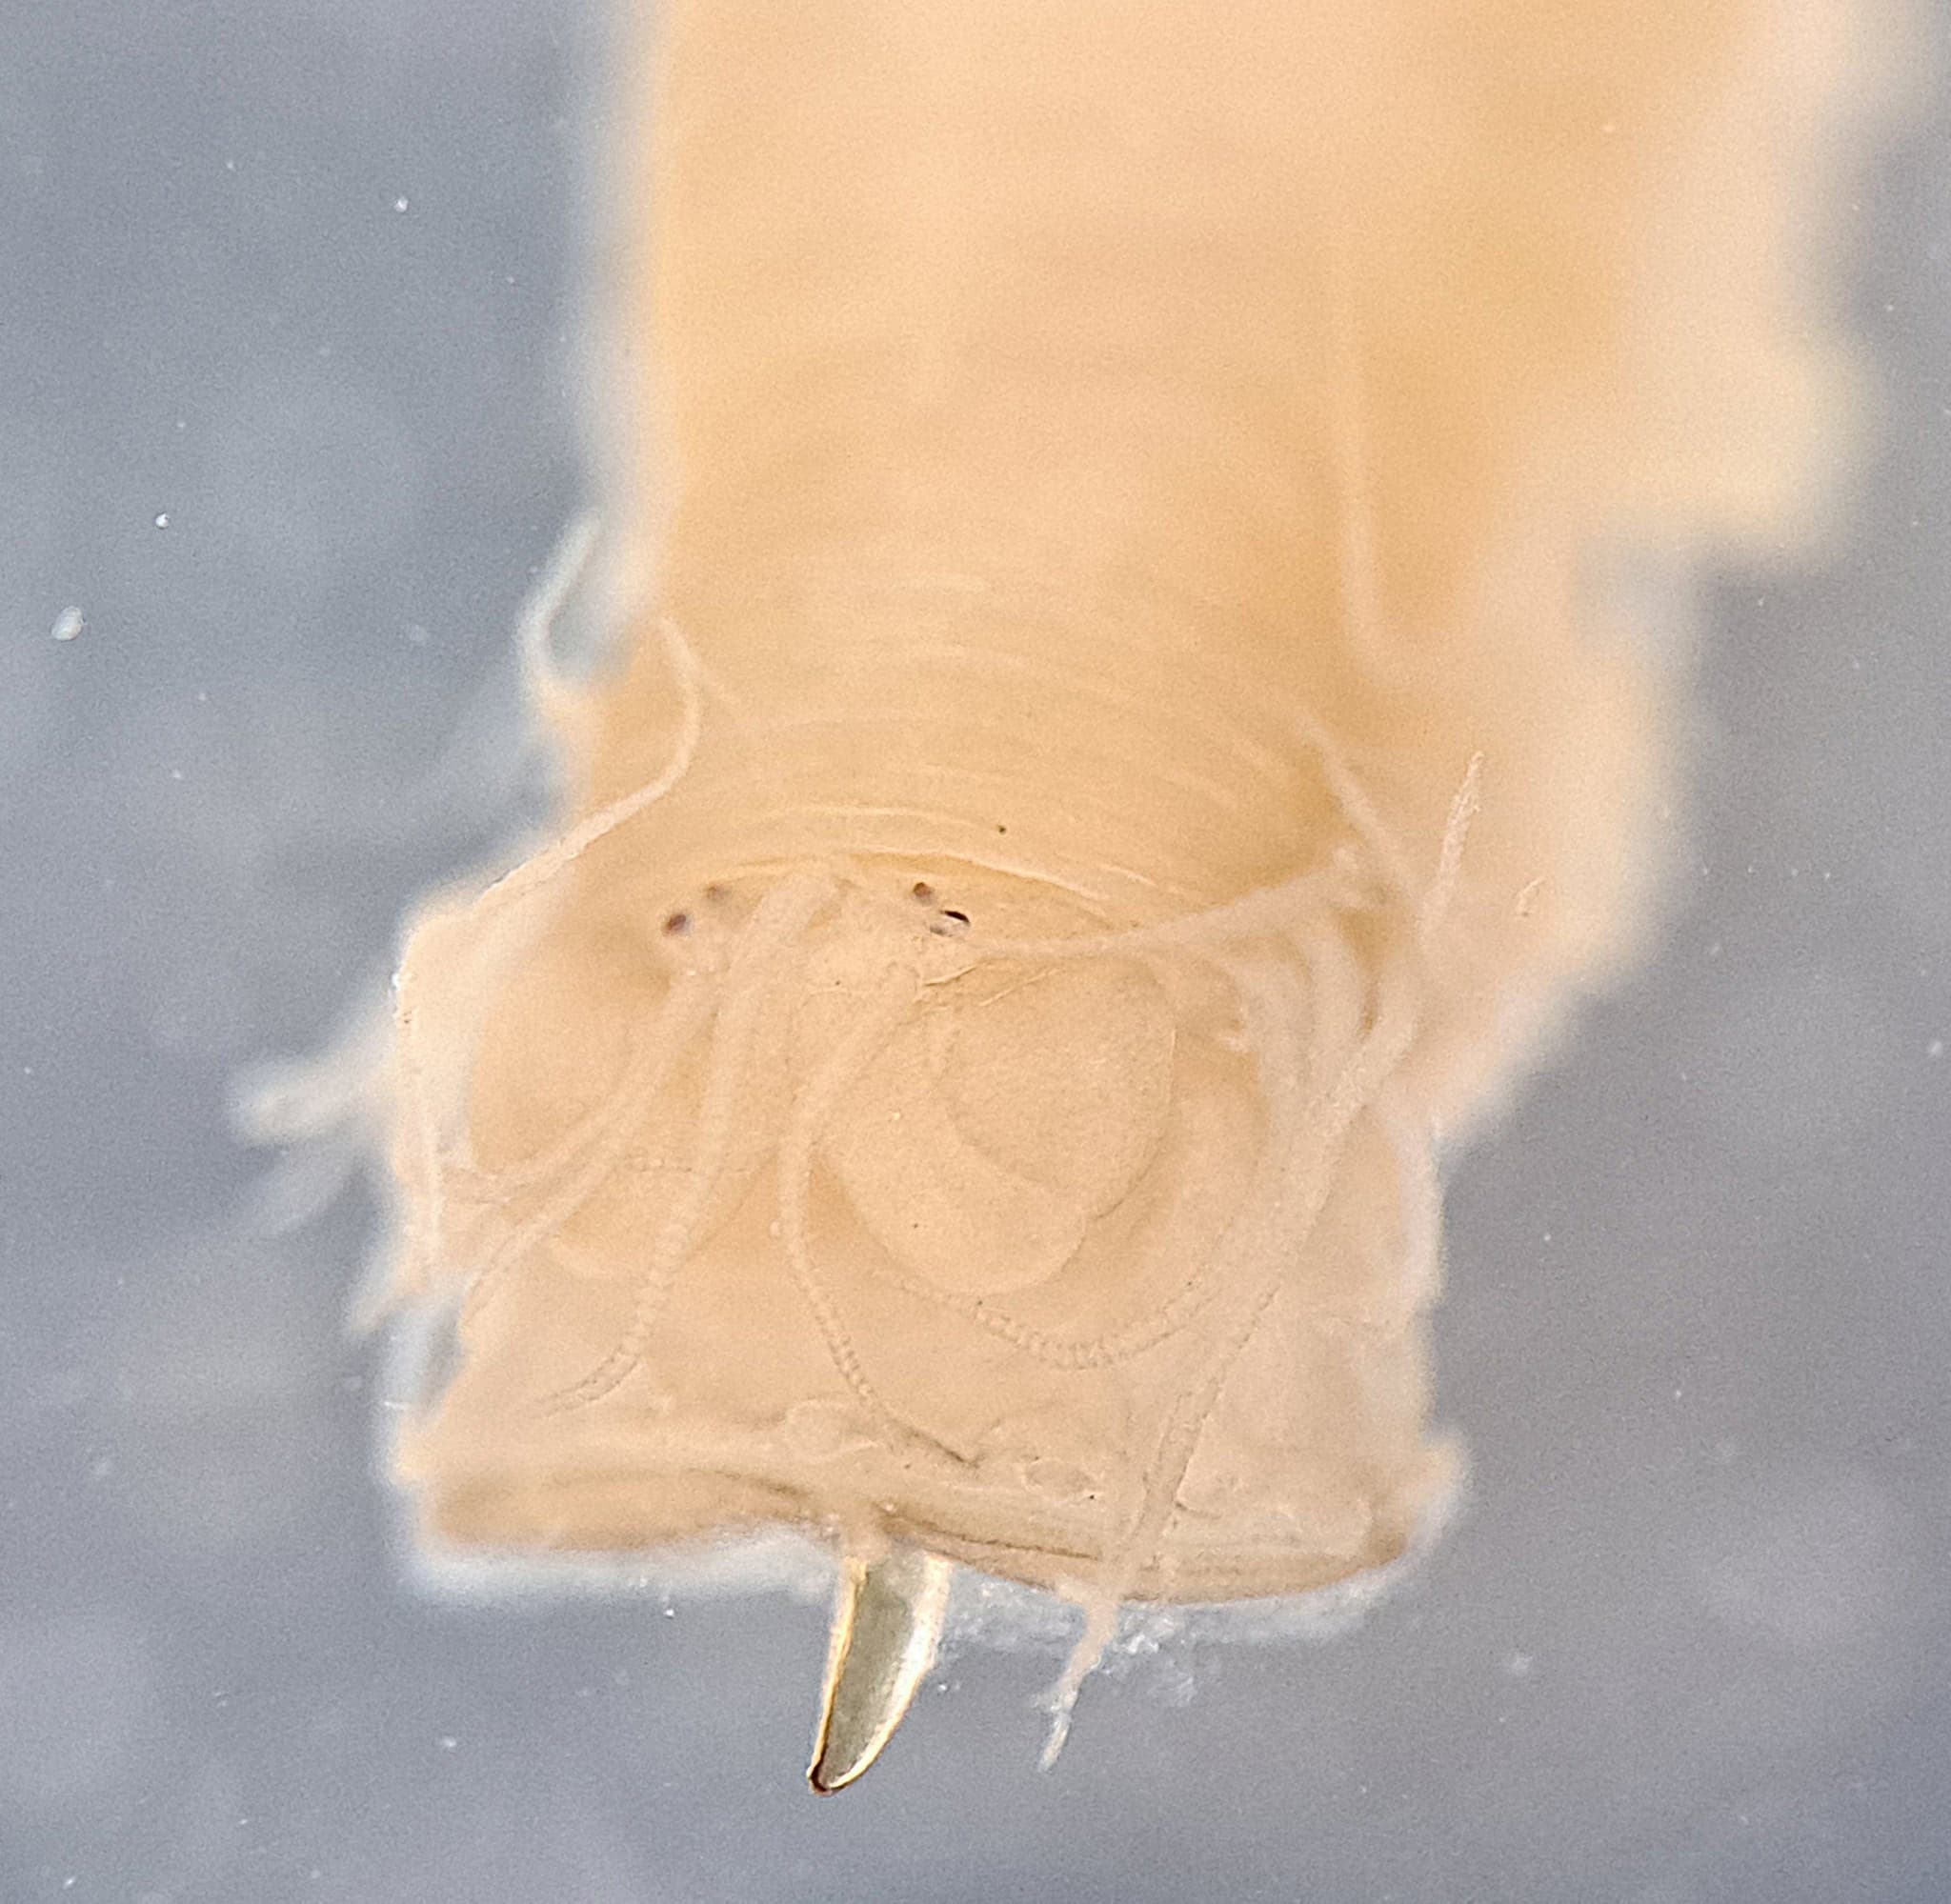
(298, 276)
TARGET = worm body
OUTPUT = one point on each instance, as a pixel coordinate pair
(1121, 743)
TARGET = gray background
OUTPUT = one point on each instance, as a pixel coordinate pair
(299, 277)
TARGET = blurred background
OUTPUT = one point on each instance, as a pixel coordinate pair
(290, 415)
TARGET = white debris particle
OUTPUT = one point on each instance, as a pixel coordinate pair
(69, 624)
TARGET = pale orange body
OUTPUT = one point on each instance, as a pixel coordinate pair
(1120, 493)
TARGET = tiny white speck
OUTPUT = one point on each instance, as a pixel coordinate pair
(449, 1742)
(1935, 1049)
(399, 204)
(175, 773)
(163, 520)
(1520, 1665)
(69, 624)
